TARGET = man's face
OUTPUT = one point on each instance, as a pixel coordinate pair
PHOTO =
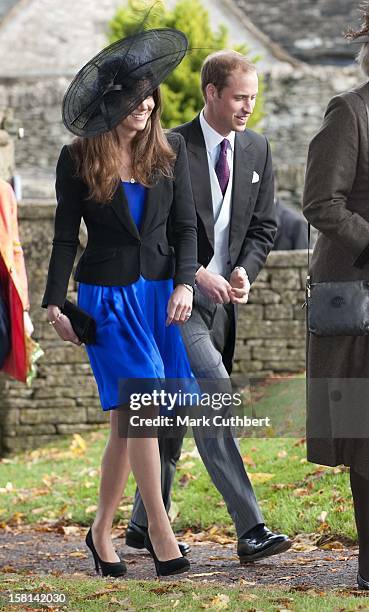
(232, 107)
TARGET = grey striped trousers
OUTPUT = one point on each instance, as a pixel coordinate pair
(205, 337)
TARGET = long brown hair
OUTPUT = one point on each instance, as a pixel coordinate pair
(97, 158)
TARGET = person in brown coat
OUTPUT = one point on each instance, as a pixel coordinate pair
(336, 202)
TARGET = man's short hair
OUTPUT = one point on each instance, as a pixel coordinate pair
(219, 65)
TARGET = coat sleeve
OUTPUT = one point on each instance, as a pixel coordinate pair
(330, 176)
(183, 219)
(67, 222)
(262, 229)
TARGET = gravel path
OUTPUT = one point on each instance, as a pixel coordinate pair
(63, 552)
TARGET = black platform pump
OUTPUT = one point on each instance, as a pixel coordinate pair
(166, 568)
(115, 569)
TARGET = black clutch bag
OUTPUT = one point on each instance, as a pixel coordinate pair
(83, 324)
(337, 308)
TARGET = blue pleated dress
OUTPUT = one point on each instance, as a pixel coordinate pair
(132, 341)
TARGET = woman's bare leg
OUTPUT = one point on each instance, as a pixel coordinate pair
(115, 470)
(144, 459)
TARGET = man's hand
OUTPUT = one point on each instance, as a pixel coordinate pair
(213, 286)
(240, 286)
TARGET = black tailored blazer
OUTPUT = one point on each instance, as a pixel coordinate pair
(116, 252)
(253, 222)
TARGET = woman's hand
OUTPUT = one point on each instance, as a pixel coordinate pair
(62, 325)
(28, 325)
(179, 305)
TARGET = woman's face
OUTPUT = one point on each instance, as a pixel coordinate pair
(137, 120)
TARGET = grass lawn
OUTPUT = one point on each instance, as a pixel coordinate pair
(60, 481)
(92, 595)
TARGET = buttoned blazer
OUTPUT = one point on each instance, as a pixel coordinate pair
(253, 222)
(117, 253)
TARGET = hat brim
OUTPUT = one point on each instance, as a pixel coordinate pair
(115, 81)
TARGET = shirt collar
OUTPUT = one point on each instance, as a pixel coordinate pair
(212, 137)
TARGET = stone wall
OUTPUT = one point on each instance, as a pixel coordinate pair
(271, 327)
(6, 145)
(63, 398)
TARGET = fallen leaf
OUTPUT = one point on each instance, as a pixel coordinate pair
(187, 465)
(260, 477)
(333, 546)
(185, 479)
(248, 460)
(69, 530)
(323, 516)
(79, 554)
(78, 445)
(8, 487)
(220, 601)
(205, 574)
(300, 492)
(248, 597)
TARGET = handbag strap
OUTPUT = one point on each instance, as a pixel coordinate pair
(308, 277)
(309, 233)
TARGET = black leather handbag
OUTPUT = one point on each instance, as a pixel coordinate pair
(5, 341)
(83, 324)
(337, 308)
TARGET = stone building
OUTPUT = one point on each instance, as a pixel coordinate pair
(304, 59)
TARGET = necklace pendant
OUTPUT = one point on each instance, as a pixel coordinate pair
(132, 180)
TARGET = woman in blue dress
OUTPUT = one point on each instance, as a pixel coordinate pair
(130, 183)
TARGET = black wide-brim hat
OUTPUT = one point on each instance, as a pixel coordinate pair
(115, 82)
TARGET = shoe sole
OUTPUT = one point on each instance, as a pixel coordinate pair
(180, 571)
(269, 552)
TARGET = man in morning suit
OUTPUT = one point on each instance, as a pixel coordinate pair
(232, 182)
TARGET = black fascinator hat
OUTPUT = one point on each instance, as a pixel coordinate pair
(114, 82)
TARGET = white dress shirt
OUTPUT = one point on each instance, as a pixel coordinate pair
(221, 204)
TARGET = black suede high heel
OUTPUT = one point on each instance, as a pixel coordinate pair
(362, 584)
(108, 568)
(167, 568)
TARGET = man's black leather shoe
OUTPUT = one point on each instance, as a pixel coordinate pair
(135, 538)
(259, 543)
(361, 583)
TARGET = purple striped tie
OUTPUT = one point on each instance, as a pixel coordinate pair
(222, 168)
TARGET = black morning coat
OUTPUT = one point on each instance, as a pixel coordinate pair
(116, 252)
(253, 222)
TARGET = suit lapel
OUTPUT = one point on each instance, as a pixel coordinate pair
(200, 179)
(152, 204)
(243, 167)
(120, 206)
